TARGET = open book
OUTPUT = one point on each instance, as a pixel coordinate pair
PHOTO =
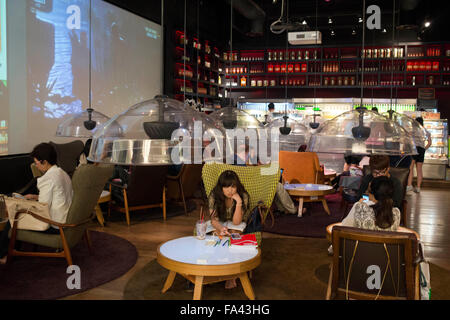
(229, 224)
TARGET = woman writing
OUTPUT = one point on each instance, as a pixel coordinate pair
(228, 201)
(55, 189)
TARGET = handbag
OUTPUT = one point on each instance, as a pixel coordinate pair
(424, 276)
(256, 219)
(26, 221)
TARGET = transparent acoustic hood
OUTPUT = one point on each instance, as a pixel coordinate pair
(159, 131)
(414, 128)
(232, 118)
(362, 131)
(82, 125)
(297, 136)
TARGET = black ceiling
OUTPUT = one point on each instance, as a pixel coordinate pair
(211, 19)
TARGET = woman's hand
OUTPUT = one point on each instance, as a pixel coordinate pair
(224, 231)
(236, 197)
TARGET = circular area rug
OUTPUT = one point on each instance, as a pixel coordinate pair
(312, 224)
(46, 278)
(291, 269)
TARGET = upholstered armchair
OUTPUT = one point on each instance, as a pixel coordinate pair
(361, 255)
(145, 188)
(87, 182)
(300, 167)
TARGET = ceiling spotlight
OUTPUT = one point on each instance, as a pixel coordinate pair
(274, 1)
(304, 22)
(427, 24)
(353, 32)
(360, 20)
(384, 30)
(330, 21)
(332, 32)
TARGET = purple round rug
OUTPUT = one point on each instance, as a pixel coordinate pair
(34, 278)
(313, 223)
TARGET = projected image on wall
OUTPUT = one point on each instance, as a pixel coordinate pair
(51, 64)
(3, 82)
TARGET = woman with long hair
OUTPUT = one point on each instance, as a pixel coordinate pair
(228, 201)
(377, 213)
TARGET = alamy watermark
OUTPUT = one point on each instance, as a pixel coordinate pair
(235, 146)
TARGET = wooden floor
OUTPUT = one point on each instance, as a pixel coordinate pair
(429, 215)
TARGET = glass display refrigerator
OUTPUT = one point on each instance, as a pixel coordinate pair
(436, 157)
(259, 107)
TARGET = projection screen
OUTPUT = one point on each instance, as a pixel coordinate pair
(44, 65)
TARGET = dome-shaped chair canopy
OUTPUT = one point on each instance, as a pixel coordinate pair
(362, 131)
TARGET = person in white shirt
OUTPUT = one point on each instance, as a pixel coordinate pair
(55, 189)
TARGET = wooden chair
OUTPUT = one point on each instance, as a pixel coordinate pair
(185, 183)
(146, 188)
(300, 167)
(373, 264)
(88, 182)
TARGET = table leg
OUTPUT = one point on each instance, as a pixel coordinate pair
(169, 281)
(300, 207)
(99, 213)
(247, 286)
(325, 206)
(198, 287)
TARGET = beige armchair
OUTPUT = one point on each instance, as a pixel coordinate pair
(88, 182)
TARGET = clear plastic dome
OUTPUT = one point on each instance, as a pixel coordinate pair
(159, 131)
(231, 118)
(79, 125)
(414, 128)
(362, 131)
(298, 136)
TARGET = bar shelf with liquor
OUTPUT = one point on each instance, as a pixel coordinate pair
(197, 68)
(412, 65)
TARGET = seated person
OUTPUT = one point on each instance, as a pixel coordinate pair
(378, 213)
(379, 166)
(351, 168)
(55, 189)
(228, 201)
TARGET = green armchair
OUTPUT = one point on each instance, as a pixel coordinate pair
(88, 181)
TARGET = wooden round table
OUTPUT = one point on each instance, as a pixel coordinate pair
(309, 193)
(400, 229)
(201, 262)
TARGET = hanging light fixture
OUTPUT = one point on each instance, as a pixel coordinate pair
(297, 136)
(85, 123)
(361, 131)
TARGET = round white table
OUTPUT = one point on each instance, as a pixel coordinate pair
(203, 262)
(309, 193)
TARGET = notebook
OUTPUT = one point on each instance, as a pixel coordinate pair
(247, 242)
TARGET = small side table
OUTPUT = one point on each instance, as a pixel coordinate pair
(309, 193)
(104, 197)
